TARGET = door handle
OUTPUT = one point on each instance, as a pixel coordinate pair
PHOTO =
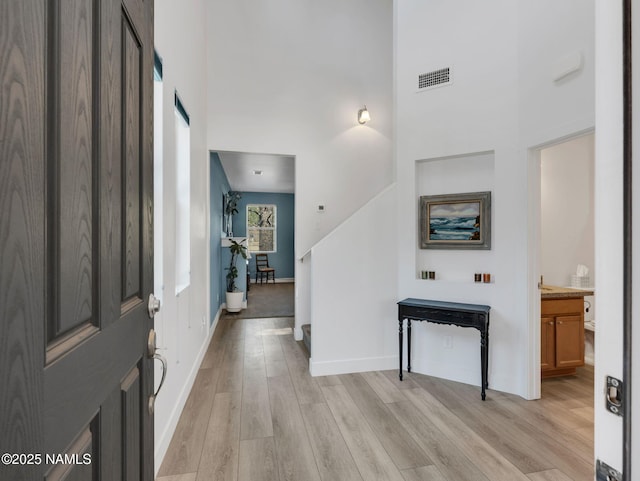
(153, 306)
(152, 354)
(152, 398)
(151, 344)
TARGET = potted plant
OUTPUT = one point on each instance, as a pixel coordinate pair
(230, 209)
(234, 296)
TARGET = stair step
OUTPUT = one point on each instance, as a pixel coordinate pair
(306, 336)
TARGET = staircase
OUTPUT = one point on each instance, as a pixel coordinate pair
(349, 328)
(306, 336)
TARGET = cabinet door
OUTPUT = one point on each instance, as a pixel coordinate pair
(569, 341)
(547, 343)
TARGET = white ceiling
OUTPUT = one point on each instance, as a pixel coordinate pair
(278, 172)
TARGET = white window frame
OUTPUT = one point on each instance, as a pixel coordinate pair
(183, 196)
(274, 229)
(158, 180)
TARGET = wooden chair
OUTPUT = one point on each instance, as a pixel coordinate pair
(263, 269)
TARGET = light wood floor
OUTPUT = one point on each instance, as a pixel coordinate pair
(256, 414)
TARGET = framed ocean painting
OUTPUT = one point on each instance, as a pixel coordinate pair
(455, 221)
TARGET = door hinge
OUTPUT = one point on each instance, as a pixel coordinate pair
(614, 396)
(604, 472)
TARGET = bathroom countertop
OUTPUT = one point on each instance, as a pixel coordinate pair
(556, 292)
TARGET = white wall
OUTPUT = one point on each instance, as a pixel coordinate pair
(288, 77)
(567, 210)
(476, 114)
(548, 33)
(454, 269)
(183, 327)
(468, 173)
(353, 293)
(503, 100)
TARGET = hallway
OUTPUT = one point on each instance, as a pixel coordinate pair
(256, 414)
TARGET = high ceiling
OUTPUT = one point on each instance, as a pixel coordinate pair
(277, 172)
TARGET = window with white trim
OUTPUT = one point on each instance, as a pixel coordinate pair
(183, 197)
(261, 228)
(158, 180)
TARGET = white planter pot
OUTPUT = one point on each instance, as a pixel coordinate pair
(234, 301)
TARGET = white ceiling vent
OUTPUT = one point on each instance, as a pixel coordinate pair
(437, 78)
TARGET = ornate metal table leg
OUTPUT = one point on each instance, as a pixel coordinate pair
(400, 346)
(408, 345)
(484, 355)
(486, 361)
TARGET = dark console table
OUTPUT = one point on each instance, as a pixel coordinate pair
(454, 313)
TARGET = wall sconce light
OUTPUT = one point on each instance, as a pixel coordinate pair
(363, 115)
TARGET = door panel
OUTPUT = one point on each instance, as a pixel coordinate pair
(110, 435)
(81, 452)
(70, 148)
(71, 264)
(131, 421)
(22, 230)
(131, 135)
(76, 80)
(569, 341)
(547, 343)
(110, 120)
(77, 384)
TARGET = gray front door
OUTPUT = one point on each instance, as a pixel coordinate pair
(76, 80)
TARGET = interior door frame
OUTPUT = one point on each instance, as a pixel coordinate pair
(628, 271)
(535, 255)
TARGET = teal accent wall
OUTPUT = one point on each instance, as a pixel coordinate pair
(284, 259)
(219, 185)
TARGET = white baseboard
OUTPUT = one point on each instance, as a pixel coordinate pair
(214, 324)
(162, 442)
(327, 368)
(297, 333)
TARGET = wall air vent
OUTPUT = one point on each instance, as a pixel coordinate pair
(437, 78)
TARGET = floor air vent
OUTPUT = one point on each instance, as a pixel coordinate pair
(437, 78)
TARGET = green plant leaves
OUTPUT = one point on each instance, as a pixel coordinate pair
(236, 250)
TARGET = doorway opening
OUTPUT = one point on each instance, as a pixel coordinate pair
(561, 258)
(567, 251)
(561, 229)
(562, 296)
(263, 218)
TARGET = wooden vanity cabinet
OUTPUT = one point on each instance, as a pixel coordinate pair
(548, 344)
(562, 336)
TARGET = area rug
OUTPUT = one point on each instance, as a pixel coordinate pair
(270, 300)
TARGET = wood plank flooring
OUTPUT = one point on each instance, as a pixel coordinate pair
(255, 414)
